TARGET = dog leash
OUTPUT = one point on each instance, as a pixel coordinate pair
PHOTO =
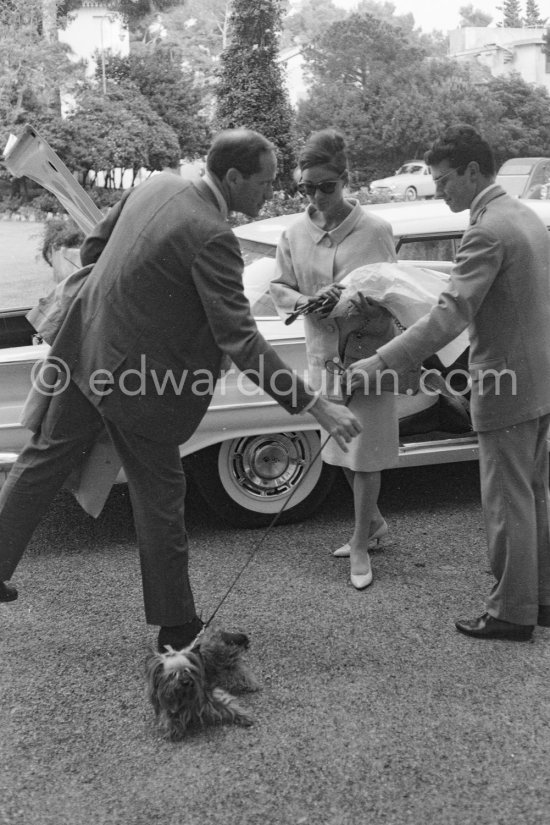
(265, 534)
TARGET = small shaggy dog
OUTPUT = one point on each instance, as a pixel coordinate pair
(189, 688)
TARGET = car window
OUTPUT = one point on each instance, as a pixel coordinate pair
(540, 174)
(259, 260)
(515, 169)
(253, 250)
(427, 249)
(411, 169)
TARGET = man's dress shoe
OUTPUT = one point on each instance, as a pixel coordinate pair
(179, 636)
(487, 627)
(544, 615)
(7, 592)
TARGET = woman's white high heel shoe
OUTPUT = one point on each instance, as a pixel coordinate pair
(360, 581)
(344, 550)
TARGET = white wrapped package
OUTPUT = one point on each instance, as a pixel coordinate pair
(408, 292)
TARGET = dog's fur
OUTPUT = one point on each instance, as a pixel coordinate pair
(189, 688)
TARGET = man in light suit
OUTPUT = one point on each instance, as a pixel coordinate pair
(163, 303)
(500, 291)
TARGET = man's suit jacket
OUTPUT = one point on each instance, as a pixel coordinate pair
(500, 291)
(145, 336)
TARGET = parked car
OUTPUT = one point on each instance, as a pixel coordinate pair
(248, 457)
(411, 181)
(526, 177)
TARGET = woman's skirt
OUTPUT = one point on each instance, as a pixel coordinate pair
(377, 446)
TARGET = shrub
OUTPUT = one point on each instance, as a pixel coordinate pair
(58, 232)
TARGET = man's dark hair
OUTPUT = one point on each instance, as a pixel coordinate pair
(460, 145)
(240, 149)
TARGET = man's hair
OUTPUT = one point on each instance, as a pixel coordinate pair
(461, 145)
(240, 149)
(324, 148)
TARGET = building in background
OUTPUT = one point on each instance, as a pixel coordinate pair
(92, 31)
(503, 51)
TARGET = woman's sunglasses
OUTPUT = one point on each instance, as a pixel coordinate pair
(327, 187)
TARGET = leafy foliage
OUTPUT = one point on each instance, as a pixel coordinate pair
(132, 10)
(469, 16)
(59, 232)
(533, 19)
(393, 117)
(522, 125)
(159, 79)
(511, 14)
(119, 130)
(386, 116)
(251, 90)
(309, 20)
(112, 131)
(356, 52)
(32, 69)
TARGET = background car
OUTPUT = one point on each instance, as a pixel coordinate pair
(411, 181)
(525, 177)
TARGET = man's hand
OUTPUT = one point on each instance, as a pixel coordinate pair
(364, 373)
(337, 420)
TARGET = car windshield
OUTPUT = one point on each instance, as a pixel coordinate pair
(411, 169)
(516, 169)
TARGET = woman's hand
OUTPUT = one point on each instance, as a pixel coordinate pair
(328, 297)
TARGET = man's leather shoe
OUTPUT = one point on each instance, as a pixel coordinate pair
(179, 636)
(487, 627)
(544, 615)
(7, 592)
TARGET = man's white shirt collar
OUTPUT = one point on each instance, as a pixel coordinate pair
(222, 203)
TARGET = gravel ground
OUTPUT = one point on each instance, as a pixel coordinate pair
(373, 708)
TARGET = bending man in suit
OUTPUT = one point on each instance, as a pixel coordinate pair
(500, 291)
(162, 304)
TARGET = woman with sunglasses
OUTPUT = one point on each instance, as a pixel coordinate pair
(334, 237)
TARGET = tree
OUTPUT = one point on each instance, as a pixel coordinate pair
(511, 14)
(170, 93)
(469, 16)
(522, 127)
(33, 68)
(114, 131)
(132, 10)
(533, 19)
(251, 90)
(368, 79)
(387, 93)
(309, 20)
(358, 51)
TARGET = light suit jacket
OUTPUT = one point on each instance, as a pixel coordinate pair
(500, 291)
(145, 336)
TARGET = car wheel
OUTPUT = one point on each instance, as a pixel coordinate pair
(410, 194)
(247, 480)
